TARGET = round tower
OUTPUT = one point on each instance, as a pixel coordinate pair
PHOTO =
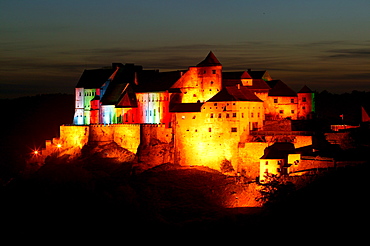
(306, 103)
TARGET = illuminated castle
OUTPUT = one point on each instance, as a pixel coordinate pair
(129, 94)
(200, 116)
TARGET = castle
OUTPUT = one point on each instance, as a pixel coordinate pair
(199, 116)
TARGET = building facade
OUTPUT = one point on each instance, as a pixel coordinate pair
(206, 116)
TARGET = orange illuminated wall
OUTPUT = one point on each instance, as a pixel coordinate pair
(200, 83)
(211, 136)
(281, 107)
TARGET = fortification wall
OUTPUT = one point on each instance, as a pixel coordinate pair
(249, 157)
(74, 136)
(156, 144)
(309, 163)
(125, 135)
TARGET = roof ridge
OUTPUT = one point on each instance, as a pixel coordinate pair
(210, 60)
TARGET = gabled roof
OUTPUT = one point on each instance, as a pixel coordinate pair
(259, 84)
(210, 60)
(186, 107)
(94, 78)
(305, 89)
(151, 80)
(279, 88)
(278, 151)
(234, 93)
(121, 95)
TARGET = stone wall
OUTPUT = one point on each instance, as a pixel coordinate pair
(156, 144)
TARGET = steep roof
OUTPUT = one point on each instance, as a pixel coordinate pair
(94, 78)
(186, 107)
(119, 94)
(210, 60)
(151, 80)
(279, 88)
(278, 151)
(305, 89)
(234, 93)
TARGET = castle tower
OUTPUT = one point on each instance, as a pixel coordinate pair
(202, 81)
(306, 103)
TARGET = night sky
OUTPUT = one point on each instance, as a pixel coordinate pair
(46, 44)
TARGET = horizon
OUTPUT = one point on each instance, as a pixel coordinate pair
(46, 45)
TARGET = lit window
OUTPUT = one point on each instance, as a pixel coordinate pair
(183, 117)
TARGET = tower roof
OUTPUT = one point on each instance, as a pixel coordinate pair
(305, 89)
(279, 88)
(210, 60)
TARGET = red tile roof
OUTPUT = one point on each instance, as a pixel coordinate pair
(210, 60)
(235, 93)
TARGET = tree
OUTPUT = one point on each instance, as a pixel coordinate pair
(274, 189)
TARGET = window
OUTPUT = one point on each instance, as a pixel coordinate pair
(267, 162)
(292, 111)
(275, 100)
(292, 100)
(234, 129)
(304, 99)
(211, 82)
(215, 104)
(211, 115)
(219, 115)
(242, 115)
(194, 117)
(227, 115)
(303, 107)
(234, 115)
(194, 95)
(209, 129)
(281, 111)
(213, 71)
(204, 71)
(252, 115)
(258, 115)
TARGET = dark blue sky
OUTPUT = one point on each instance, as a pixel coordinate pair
(45, 45)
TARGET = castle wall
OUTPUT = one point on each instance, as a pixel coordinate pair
(74, 136)
(156, 145)
(200, 83)
(219, 133)
(125, 135)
